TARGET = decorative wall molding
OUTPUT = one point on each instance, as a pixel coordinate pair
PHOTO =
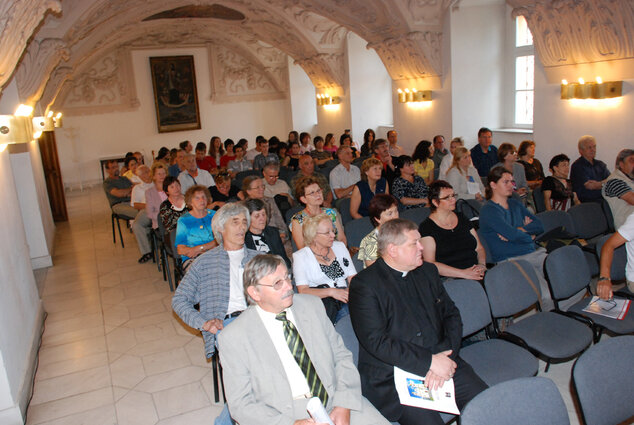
(414, 55)
(236, 79)
(18, 21)
(322, 66)
(53, 85)
(36, 66)
(107, 85)
(569, 32)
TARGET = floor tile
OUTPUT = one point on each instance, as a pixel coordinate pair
(127, 371)
(70, 405)
(173, 378)
(136, 408)
(104, 415)
(71, 384)
(64, 367)
(165, 361)
(177, 400)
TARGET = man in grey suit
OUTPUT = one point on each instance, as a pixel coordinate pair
(264, 382)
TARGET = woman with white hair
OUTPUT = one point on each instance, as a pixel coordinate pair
(324, 267)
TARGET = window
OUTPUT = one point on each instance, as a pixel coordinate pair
(524, 71)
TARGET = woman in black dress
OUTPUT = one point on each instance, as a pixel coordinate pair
(448, 238)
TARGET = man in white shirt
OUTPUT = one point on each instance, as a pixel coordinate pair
(142, 224)
(394, 148)
(448, 159)
(623, 235)
(345, 175)
(273, 185)
(193, 175)
(251, 154)
(137, 198)
(269, 380)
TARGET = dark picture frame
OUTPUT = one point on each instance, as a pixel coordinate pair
(175, 93)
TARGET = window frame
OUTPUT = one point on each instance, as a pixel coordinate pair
(512, 53)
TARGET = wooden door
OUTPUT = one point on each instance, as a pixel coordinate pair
(53, 176)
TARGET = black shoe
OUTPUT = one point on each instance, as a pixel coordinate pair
(146, 257)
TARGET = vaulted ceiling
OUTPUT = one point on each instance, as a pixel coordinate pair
(48, 42)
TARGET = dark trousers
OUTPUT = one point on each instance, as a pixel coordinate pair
(467, 384)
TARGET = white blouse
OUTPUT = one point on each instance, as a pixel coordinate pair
(307, 270)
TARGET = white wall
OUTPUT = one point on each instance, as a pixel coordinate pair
(26, 163)
(302, 99)
(20, 306)
(84, 139)
(477, 69)
(370, 88)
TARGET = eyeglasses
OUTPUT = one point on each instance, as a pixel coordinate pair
(273, 177)
(259, 187)
(279, 284)
(328, 232)
(315, 193)
(448, 197)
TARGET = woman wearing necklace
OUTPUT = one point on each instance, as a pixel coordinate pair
(174, 206)
(309, 193)
(155, 195)
(449, 239)
(193, 232)
(532, 167)
(557, 189)
(324, 267)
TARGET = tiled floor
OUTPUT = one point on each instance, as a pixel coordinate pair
(113, 351)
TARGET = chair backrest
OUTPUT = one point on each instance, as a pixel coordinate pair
(344, 328)
(291, 212)
(555, 218)
(471, 300)
(170, 244)
(356, 230)
(344, 210)
(619, 260)
(237, 181)
(417, 215)
(589, 219)
(521, 401)
(538, 198)
(487, 251)
(567, 271)
(603, 376)
(508, 290)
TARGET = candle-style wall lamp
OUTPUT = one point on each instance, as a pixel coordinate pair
(592, 90)
(325, 99)
(413, 95)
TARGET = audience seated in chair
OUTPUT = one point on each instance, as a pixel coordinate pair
(118, 190)
(307, 169)
(142, 222)
(463, 176)
(383, 208)
(409, 188)
(155, 195)
(194, 235)
(223, 191)
(192, 175)
(371, 183)
(261, 237)
(253, 188)
(557, 189)
(618, 190)
(449, 239)
(324, 267)
(174, 206)
(509, 229)
(310, 194)
(239, 163)
(403, 317)
(422, 161)
(345, 175)
(587, 173)
(623, 235)
(533, 169)
(264, 384)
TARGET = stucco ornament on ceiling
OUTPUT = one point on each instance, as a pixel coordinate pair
(569, 32)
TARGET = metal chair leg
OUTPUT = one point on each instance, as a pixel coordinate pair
(214, 365)
(114, 239)
(120, 236)
(166, 267)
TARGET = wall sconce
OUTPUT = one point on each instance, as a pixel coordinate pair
(15, 129)
(592, 90)
(413, 95)
(325, 99)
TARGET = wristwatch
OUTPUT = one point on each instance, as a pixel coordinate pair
(603, 278)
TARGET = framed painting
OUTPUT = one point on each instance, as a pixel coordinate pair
(175, 94)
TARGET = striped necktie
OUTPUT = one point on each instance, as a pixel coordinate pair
(298, 350)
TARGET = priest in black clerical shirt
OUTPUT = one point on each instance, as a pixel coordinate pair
(403, 317)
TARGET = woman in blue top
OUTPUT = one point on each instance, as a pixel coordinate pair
(193, 231)
(509, 229)
(371, 184)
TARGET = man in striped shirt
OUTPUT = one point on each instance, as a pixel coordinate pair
(618, 190)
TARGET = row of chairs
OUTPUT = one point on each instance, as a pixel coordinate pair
(603, 389)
